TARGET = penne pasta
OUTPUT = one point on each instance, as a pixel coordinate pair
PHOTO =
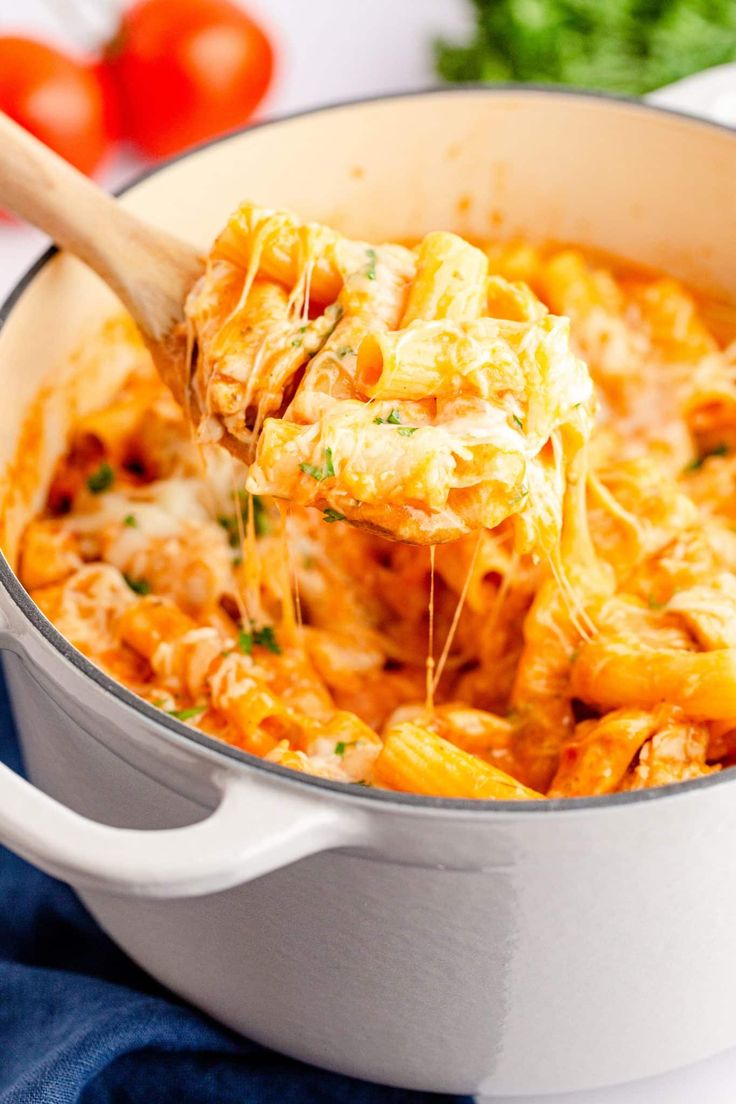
(570, 631)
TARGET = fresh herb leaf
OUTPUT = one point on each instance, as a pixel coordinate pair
(187, 714)
(407, 431)
(617, 45)
(340, 748)
(264, 638)
(261, 521)
(101, 480)
(370, 268)
(296, 342)
(518, 420)
(331, 515)
(697, 463)
(320, 474)
(231, 525)
(140, 586)
(129, 521)
(394, 418)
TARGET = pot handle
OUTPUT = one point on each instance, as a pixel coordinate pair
(256, 828)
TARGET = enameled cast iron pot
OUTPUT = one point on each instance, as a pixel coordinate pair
(432, 944)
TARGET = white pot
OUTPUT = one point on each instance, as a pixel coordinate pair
(431, 944)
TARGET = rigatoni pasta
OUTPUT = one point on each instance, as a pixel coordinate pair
(570, 630)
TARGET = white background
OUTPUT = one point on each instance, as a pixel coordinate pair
(330, 50)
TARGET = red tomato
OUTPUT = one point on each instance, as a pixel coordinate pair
(188, 70)
(58, 99)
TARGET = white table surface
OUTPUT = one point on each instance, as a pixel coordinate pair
(332, 50)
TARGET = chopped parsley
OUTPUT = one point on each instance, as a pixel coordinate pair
(129, 521)
(264, 638)
(370, 268)
(518, 420)
(296, 342)
(331, 515)
(407, 431)
(187, 714)
(340, 748)
(101, 480)
(394, 418)
(697, 463)
(320, 474)
(230, 524)
(140, 586)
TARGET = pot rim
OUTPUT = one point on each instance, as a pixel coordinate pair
(173, 728)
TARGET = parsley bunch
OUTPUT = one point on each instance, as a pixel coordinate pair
(629, 46)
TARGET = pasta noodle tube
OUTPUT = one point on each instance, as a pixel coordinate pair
(415, 760)
(597, 757)
(442, 358)
(450, 280)
(703, 684)
(514, 301)
(280, 245)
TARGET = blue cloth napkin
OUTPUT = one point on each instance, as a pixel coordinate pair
(80, 1022)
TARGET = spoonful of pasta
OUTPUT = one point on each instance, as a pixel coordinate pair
(408, 391)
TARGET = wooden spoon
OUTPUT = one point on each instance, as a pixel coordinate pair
(150, 271)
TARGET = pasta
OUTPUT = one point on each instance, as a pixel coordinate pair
(558, 429)
(375, 383)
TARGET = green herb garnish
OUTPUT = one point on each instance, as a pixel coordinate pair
(101, 480)
(331, 515)
(370, 268)
(697, 463)
(296, 342)
(340, 748)
(394, 418)
(320, 474)
(129, 521)
(264, 638)
(518, 420)
(140, 586)
(187, 714)
(407, 431)
(230, 524)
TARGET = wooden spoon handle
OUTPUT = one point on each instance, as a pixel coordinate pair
(149, 270)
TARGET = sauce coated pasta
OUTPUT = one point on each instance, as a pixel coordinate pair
(576, 636)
